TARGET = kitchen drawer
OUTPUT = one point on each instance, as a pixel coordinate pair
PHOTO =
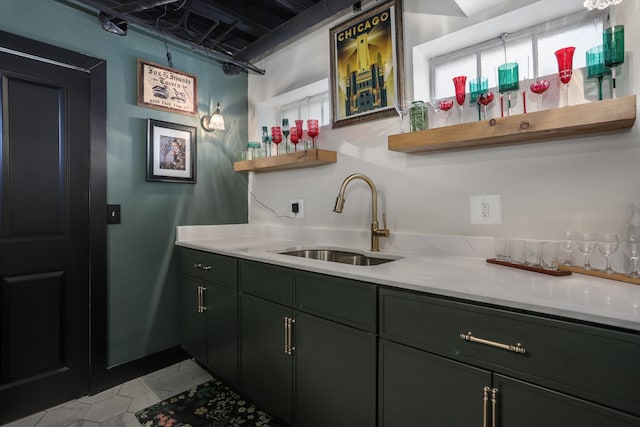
(347, 301)
(591, 362)
(210, 267)
(267, 281)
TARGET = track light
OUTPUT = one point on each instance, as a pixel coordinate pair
(112, 24)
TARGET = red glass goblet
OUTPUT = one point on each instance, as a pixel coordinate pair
(299, 128)
(485, 99)
(313, 130)
(539, 87)
(294, 138)
(460, 83)
(565, 69)
(445, 105)
(276, 134)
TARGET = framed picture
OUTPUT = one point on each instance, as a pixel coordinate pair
(166, 89)
(367, 65)
(171, 152)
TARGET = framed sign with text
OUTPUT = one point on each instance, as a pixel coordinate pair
(167, 89)
(367, 65)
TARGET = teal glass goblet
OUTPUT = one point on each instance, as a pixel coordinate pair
(613, 42)
(595, 66)
(508, 81)
(476, 87)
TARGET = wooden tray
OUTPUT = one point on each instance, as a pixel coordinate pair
(597, 273)
(529, 268)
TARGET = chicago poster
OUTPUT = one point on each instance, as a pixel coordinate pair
(367, 65)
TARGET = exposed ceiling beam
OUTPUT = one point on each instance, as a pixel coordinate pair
(139, 5)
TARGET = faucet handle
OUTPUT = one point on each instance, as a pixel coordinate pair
(384, 220)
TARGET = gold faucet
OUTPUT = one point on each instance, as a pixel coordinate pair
(375, 231)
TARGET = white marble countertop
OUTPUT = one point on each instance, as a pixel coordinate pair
(453, 266)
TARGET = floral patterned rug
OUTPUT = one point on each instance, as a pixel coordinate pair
(211, 404)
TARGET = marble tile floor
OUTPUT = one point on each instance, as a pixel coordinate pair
(116, 407)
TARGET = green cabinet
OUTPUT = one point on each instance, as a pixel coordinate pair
(209, 319)
(301, 358)
(445, 362)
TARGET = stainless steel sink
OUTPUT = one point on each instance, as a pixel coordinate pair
(343, 257)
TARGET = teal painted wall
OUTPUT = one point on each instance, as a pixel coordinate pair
(142, 302)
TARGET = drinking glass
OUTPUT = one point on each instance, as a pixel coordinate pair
(570, 240)
(460, 83)
(485, 99)
(607, 245)
(285, 132)
(539, 87)
(564, 57)
(516, 251)
(299, 128)
(294, 138)
(445, 105)
(613, 44)
(631, 246)
(532, 249)
(402, 107)
(476, 87)
(276, 136)
(595, 66)
(549, 257)
(313, 130)
(508, 81)
(586, 245)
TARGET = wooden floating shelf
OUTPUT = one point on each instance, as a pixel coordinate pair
(296, 160)
(592, 117)
(597, 273)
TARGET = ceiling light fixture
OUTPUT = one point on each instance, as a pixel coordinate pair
(213, 121)
(112, 24)
(600, 4)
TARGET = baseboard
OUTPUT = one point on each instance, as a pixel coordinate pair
(127, 371)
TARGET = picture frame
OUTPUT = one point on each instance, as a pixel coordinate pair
(362, 92)
(171, 152)
(167, 89)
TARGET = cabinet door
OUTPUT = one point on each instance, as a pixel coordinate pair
(266, 371)
(521, 404)
(417, 388)
(335, 374)
(222, 331)
(192, 321)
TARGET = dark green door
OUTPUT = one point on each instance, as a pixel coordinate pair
(521, 404)
(420, 389)
(335, 374)
(222, 331)
(193, 318)
(266, 370)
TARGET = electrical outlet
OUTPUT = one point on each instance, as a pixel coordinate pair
(486, 209)
(297, 208)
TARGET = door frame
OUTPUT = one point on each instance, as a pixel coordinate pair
(97, 72)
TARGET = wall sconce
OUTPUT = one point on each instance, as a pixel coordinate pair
(213, 121)
(112, 24)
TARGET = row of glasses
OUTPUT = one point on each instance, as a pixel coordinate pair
(606, 244)
(295, 133)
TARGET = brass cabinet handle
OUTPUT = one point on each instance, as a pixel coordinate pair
(494, 392)
(201, 306)
(288, 347)
(518, 348)
(202, 267)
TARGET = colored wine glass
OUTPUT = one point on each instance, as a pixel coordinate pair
(445, 105)
(313, 130)
(613, 43)
(460, 83)
(476, 87)
(276, 137)
(266, 141)
(508, 81)
(565, 69)
(539, 87)
(294, 138)
(285, 132)
(485, 99)
(595, 66)
(299, 129)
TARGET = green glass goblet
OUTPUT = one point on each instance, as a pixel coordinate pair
(595, 66)
(508, 81)
(476, 87)
(613, 41)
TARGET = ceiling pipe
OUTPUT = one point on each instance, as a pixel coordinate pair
(296, 26)
(140, 5)
(219, 56)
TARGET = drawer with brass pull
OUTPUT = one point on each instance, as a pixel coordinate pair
(591, 362)
(210, 267)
